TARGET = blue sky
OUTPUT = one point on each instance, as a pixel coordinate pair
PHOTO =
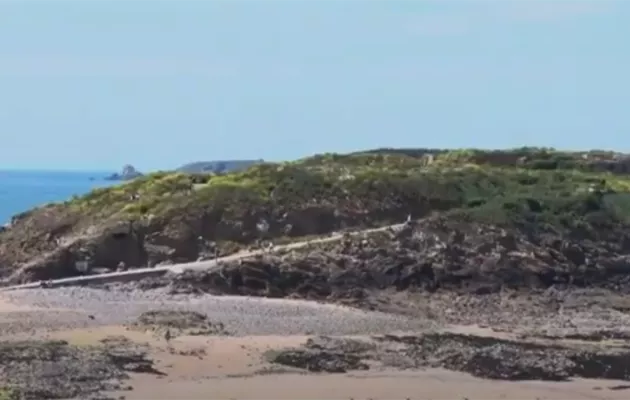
(97, 84)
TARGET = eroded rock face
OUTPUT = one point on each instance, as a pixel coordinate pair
(432, 254)
(46, 247)
(104, 249)
(429, 256)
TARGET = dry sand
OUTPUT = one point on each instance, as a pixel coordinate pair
(234, 367)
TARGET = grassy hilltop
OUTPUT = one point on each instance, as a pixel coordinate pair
(505, 187)
(531, 189)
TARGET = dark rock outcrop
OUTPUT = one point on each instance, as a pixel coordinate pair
(57, 370)
(148, 243)
(432, 255)
(128, 172)
(484, 357)
(178, 322)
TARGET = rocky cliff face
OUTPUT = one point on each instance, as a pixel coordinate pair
(53, 253)
(430, 255)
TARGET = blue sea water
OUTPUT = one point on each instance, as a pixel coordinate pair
(23, 190)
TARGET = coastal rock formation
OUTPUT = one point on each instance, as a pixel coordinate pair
(484, 357)
(128, 172)
(528, 217)
(178, 323)
(434, 254)
(57, 370)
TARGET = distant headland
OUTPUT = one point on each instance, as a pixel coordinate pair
(217, 167)
(129, 172)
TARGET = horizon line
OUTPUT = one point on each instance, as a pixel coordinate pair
(61, 170)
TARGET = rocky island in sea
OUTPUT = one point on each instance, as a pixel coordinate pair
(127, 173)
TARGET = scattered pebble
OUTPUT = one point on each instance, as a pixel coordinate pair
(239, 315)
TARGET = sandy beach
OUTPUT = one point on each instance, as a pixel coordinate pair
(237, 365)
(232, 369)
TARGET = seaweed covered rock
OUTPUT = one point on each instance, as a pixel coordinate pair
(39, 370)
(178, 322)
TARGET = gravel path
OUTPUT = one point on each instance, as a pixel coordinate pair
(241, 315)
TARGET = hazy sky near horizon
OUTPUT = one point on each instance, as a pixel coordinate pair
(97, 84)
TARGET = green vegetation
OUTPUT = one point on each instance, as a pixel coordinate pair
(528, 187)
(7, 393)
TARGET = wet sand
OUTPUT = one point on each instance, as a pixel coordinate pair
(434, 384)
(235, 367)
